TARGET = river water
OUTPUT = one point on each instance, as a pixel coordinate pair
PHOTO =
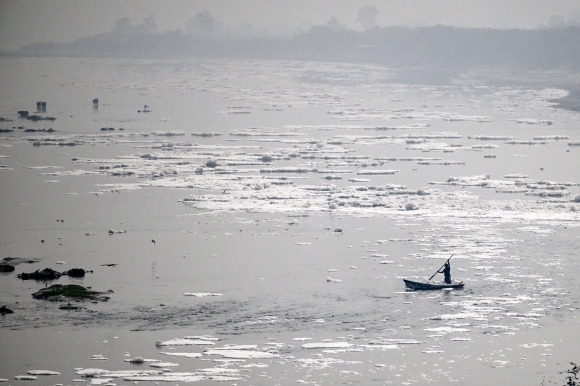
(254, 221)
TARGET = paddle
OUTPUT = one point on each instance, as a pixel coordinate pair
(440, 268)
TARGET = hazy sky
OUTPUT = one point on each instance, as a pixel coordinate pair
(29, 21)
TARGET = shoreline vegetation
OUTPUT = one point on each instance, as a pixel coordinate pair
(547, 57)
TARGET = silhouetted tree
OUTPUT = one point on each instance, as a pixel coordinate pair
(367, 16)
(203, 24)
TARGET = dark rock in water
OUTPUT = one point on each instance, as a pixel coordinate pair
(59, 292)
(45, 274)
(75, 272)
(50, 130)
(51, 274)
(4, 310)
(6, 267)
(39, 118)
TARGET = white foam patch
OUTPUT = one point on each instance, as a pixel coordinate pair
(533, 345)
(241, 354)
(42, 372)
(163, 365)
(379, 346)
(532, 121)
(461, 315)
(376, 172)
(446, 329)
(484, 137)
(183, 354)
(247, 178)
(323, 363)
(205, 338)
(326, 345)
(202, 294)
(214, 374)
(184, 342)
(223, 376)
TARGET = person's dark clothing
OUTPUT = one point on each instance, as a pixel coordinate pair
(447, 272)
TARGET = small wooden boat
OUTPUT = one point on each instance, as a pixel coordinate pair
(425, 285)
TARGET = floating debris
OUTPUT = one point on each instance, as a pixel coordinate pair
(41, 275)
(60, 292)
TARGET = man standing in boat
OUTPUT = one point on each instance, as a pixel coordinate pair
(446, 270)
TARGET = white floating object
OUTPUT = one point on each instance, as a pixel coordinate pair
(319, 345)
(42, 372)
(90, 373)
(183, 342)
(183, 354)
(163, 364)
(241, 354)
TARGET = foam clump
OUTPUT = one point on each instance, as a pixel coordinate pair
(325, 345)
(182, 354)
(163, 364)
(185, 342)
(240, 354)
(42, 372)
(202, 294)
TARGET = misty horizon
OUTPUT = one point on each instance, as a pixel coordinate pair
(205, 26)
(437, 47)
(65, 21)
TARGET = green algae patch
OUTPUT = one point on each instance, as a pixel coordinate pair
(62, 292)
